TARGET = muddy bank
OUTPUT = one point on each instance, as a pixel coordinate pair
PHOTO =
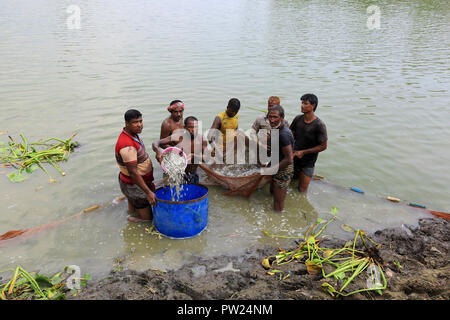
(415, 260)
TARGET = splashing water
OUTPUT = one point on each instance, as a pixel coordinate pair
(174, 164)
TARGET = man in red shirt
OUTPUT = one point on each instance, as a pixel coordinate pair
(136, 170)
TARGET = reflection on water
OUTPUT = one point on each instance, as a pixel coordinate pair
(382, 93)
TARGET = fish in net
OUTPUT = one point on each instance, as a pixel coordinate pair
(240, 180)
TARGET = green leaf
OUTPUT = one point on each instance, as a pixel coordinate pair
(329, 288)
(56, 280)
(43, 281)
(320, 220)
(276, 270)
(311, 240)
(340, 276)
(334, 210)
(87, 276)
(31, 169)
(17, 177)
(347, 228)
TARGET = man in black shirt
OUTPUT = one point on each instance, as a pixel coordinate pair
(310, 134)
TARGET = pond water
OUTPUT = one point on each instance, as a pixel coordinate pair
(383, 94)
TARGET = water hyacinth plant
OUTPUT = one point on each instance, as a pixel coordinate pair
(27, 157)
(347, 263)
(24, 285)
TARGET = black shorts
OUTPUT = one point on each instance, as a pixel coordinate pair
(135, 195)
(308, 170)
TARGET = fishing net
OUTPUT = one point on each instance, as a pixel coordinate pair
(242, 177)
(243, 185)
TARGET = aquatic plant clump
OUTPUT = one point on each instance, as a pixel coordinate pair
(27, 157)
(175, 165)
(345, 264)
(24, 285)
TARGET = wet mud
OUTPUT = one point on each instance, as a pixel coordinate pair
(415, 265)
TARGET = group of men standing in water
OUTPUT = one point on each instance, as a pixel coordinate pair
(298, 146)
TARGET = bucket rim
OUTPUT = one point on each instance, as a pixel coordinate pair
(187, 201)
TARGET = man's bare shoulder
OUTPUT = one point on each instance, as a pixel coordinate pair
(167, 121)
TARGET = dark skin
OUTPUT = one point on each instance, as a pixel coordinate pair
(304, 180)
(170, 124)
(217, 122)
(279, 195)
(134, 127)
(192, 128)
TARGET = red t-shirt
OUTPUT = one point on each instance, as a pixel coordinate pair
(143, 160)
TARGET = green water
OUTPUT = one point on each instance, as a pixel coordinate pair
(383, 94)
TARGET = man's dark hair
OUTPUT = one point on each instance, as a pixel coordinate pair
(312, 98)
(189, 118)
(234, 104)
(279, 109)
(174, 101)
(132, 114)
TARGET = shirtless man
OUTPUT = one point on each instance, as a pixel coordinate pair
(175, 121)
(192, 143)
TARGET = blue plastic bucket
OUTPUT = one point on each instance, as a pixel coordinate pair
(184, 218)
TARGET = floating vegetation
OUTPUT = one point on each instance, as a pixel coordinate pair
(23, 285)
(258, 109)
(152, 230)
(344, 264)
(27, 157)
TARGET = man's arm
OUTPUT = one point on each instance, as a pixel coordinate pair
(165, 130)
(288, 157)
(319, 148)
(137, 179)
(157, 144)
(292, 127)
(129, 156)
(216, 125)
(293, 133)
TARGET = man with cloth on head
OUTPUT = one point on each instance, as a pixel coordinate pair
(261, 121)
(192, 143)
(136, 169)
(173, 122)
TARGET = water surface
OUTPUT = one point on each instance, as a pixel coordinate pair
(383, 95)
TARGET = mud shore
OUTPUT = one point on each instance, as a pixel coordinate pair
(415, 264)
